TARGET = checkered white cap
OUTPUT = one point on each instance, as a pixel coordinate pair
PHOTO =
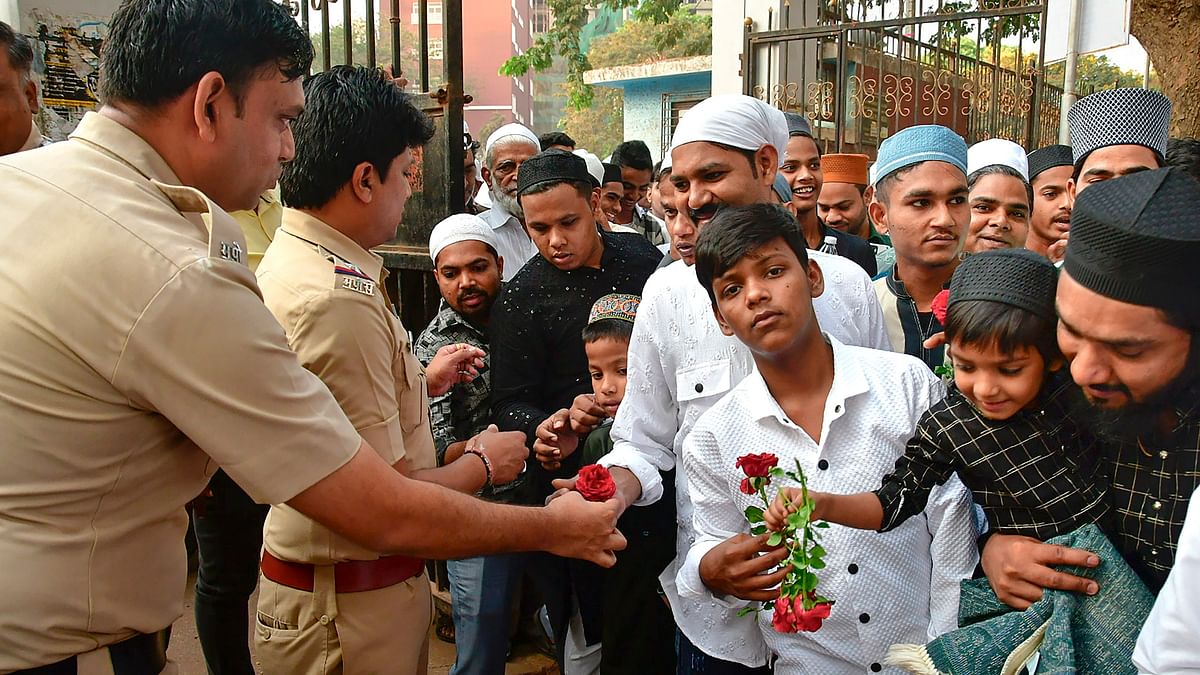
(1119, 117)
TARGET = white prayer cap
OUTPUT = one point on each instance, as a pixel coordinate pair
(511, 130)
(459, 227)
(998, 151)
(595, 167)
(735, 120)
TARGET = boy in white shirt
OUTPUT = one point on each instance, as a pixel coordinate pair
(845, 414)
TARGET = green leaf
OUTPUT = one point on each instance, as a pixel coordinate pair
(758, 529)
(777, 472)
(775, 539)
(821, 524)
(754, 514)
(817, 551)
(816, 564)
(747, 610)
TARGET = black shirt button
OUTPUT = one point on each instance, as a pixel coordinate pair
(852, 569)
(875, 667)
(699, 388)
(822, 465)
(837, 408)
(864, 617)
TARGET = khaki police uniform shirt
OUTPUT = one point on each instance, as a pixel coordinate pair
(135, 356)
(328, 293)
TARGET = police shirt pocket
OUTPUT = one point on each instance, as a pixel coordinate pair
(711, 378)
(413, 395)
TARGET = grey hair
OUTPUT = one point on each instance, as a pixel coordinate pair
(1002, 170)
(19, 50)
(490, 153)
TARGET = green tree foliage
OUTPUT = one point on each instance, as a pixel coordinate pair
(599, 127)
(409, 61)
(562, 40)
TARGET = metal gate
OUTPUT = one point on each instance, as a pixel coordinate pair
(861, 70)
(352, 32)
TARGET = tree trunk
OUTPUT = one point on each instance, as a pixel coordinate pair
(1168, 31)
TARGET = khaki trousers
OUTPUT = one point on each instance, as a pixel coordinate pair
(326, 633)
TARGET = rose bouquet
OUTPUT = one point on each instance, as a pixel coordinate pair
(798, 607)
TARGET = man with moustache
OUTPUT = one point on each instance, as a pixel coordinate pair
(802, 169)
(468, 270)
(726, 151)
(505, 151)
(921, 198)
(1050, 170)
(119, 405)
(1130, 335)
(1117, 132)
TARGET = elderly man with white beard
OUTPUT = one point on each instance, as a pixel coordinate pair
(505, 151)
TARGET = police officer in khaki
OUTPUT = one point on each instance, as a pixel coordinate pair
(325, 603)
(137, 355)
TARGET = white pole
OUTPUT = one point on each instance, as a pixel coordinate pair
(1068, 98)
(1146, 73)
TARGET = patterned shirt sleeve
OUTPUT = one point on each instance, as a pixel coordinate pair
(923, 466)
(441, 414)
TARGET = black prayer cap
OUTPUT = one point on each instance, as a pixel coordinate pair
(1136, 239)
(1048, 158)
(797, 125)
(612, 173)
(553, 166)
(1013, 276)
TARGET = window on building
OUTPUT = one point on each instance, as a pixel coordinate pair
(674, 107)
(435, 13)
(540, 17)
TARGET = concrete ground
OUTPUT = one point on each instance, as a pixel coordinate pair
(185, 648)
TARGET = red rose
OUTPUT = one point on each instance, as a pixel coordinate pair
(810, 620)
(784, 619)
(941, 302)
(595, 483)
(757, 466)
(747, 488)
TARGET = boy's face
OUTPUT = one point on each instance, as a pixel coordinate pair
(561, 224)
(925, 213)
(802, 168)
(999, 385)
(606, 363)
(765, 300)
(999, 214)
(610, 200)
(679, 224)
(1051, 217)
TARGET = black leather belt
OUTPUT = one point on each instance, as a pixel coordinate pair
(142, 654)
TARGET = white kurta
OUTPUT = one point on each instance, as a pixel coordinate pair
(512, 242)
(679, 366)
(898, 587)
(1167, 644)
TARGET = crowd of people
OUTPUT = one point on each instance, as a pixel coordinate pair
(982, 360)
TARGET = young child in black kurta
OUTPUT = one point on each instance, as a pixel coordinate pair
(1006, 423)
(638, 630)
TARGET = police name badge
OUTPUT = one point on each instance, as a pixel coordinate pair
(358, 285)
(352, 278)
(232, 250)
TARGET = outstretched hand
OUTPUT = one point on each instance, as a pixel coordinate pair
(451, 365)
(555, 440)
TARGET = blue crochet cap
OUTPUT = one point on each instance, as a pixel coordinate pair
(783, 189)
(923, 143)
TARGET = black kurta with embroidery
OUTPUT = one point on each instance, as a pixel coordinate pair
(539, 366)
